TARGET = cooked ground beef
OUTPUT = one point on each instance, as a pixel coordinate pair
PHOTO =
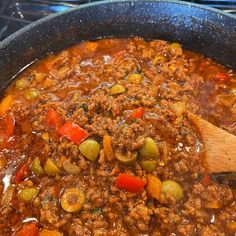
(95, 141)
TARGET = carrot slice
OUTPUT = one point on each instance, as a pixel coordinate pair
(5, 104)
(108, 147)
(21, 174)
(153, 187)
(28, 229)
(46, 232)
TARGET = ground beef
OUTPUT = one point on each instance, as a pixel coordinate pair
(76, 86)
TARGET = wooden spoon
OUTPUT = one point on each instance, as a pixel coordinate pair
(219, 145)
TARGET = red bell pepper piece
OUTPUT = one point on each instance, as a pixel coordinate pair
(129, 183)
(53, 118)
(206, 180)
(222, 77)
(73, 132)
(22, 173)
(28, 229)
(138, 113)
(10, 124)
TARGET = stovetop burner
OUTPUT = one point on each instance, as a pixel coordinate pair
(15, 14)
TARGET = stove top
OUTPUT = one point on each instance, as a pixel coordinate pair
(15, 14)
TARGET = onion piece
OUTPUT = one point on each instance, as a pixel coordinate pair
(7, 196)
(178, 108)
(71, 168)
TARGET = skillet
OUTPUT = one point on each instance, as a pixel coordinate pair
(196, 27)
(165, 21)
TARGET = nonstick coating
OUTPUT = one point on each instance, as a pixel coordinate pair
(198, 28)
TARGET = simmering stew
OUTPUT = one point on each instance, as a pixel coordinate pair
(95, 141)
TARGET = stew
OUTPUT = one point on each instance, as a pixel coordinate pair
(95, 140)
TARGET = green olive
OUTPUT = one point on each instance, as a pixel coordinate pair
(22, 83)
(36, 167)
(149, 150)
(135, 78)
(28, 194)
(126, 159)
(72, 200)
(90, 149)
(50, 168)
(149, 165)
(172, 188)
(31, 94)
(233, 91)
(117, 89)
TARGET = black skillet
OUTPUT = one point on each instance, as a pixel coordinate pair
(198, 28)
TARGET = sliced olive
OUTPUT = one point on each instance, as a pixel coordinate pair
(90, 149)
(149, 165)
(36, 167)
(22, 83)
(127, 159)
(149, 150)
(50, 168)
(28, 194)
(72, 200)
(158, 59)
(135, 78)
(176, 49)
(117, 89)
(31, 94)
(172, 188)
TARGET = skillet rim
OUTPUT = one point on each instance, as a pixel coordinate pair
(32, 25)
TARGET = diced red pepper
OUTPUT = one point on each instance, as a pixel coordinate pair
(206, 180)
(22, 173)
(138, 113)
(129, 183)
(53, 118)
(10, 124)
(222, 77)
(73, 132)
(28, 229)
